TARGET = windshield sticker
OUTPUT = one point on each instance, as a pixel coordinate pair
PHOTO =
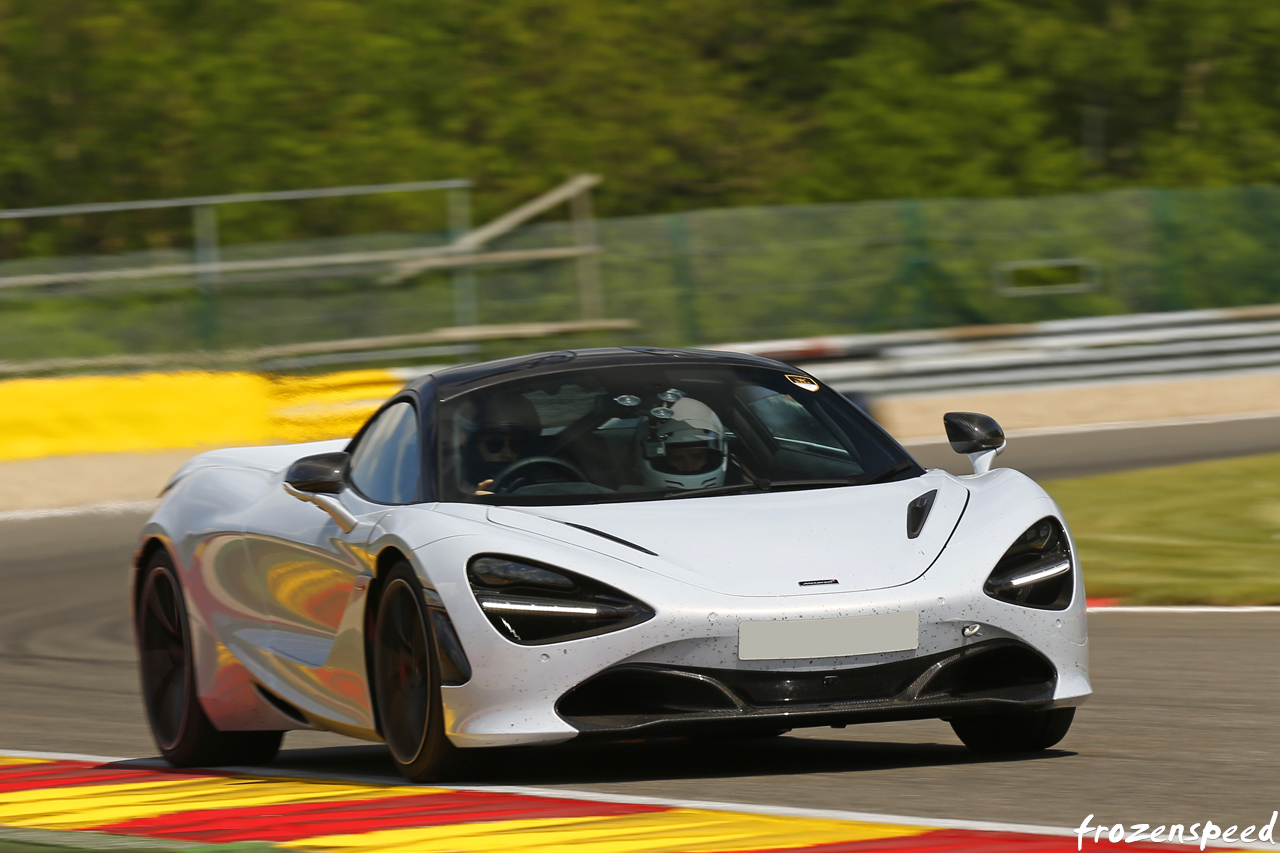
(803, 381)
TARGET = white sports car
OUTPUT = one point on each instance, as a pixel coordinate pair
(599, 544)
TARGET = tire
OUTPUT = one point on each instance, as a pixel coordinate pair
(1025, 731)
(179, 725)
(406, 677)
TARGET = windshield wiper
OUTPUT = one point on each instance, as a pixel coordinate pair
(762, 486)
(887, 474)
(817, 483)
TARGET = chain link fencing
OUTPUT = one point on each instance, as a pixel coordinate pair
(692, 278)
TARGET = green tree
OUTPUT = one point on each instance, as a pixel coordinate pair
(678, 105)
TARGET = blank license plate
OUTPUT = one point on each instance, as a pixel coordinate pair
(792, 639)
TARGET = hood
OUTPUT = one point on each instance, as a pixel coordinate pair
(765, 543)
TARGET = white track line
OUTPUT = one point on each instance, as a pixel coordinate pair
(1188, 608)
(104, 508)
(57, 756)
(783, 811)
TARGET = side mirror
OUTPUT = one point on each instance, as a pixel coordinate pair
(322, 474)
(977, 435)
(314, 479)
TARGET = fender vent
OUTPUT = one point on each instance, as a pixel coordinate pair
(918, 513)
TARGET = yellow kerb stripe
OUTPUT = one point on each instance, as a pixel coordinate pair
(691, 830)
(94, 805)
(192, 409)
(9, 761)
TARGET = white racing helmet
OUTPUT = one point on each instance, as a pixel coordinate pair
(682, 446)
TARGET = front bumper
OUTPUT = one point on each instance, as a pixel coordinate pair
(989, 677)
(539, 694)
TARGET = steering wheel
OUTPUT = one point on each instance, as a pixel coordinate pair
(508, 480)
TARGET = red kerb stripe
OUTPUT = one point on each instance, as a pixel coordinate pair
(30, 777)
(289, 822)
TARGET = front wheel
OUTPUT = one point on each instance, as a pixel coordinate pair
(1022, 731)
(179, 726)
(407, 680)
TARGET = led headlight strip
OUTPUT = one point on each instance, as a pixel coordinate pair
(1040, 574)
(529, 607)
(1036, 570)
(533, 604)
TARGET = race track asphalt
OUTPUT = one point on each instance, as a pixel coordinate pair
(1101, 450)
(1183, 726)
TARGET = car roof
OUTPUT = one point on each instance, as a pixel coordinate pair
(463, 379)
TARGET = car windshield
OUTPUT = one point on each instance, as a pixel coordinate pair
(634, 433)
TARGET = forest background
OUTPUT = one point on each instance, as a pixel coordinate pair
(680, 105)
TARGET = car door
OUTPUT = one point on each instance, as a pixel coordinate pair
(315, 575)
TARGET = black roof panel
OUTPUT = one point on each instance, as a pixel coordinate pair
(451, 382)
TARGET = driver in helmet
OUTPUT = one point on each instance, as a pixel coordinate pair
(507, 430)
(682, 444)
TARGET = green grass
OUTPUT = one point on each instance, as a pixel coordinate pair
(1205, 533)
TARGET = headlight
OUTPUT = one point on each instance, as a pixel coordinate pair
(1036, 571)
(532, 605)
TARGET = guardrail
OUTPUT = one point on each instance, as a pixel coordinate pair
(1055, 351)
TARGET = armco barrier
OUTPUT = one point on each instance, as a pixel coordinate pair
(1000, 356)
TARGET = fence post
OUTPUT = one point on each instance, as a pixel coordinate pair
(465, 312)
(917, 262)
(1174, 295)
(207, 257)
(1262, 202)
(682, 277)
(590, 294)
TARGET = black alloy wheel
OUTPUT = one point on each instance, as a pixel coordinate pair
(1022, 731)
(407, 680)
(179, 725)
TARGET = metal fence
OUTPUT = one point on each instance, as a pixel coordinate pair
(740, 275)
(695, 278)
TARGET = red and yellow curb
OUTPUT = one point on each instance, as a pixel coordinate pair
(322, 815)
